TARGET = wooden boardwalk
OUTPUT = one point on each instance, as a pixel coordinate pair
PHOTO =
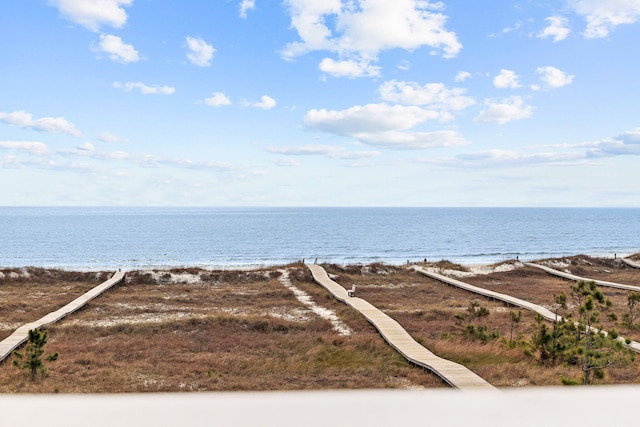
(20, 335)
(570, 276)
(454, 374)
(517, 302)
(631, 263)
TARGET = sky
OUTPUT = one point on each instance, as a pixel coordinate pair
(320, 103)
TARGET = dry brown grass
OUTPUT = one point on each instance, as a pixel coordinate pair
(28, 294)
(426, 308)
(197, 330)
(535, 285)
(231, 331)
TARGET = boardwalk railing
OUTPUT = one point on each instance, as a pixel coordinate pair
(631, 263)
(517, 302)
(452, 373)
(20, 335)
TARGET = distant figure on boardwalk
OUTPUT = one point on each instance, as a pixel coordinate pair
(316, 261)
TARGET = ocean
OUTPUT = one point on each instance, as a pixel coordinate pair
(136, 238)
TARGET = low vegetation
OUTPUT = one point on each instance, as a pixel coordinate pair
(30, 293)
(200, 330)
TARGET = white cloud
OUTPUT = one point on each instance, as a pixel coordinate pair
(368, 118)
(553, 77)
(384, 125)
(507, 79)
(145, 89)
(408, 24)
(217, 99)
(23, 119)
(515, 27)
(404, 65)
(200, 52)
(266, 103)
(186, 163)
(625, 144)
(109, 137)
(323, 150)
(413, 140)
(509, 158)
(86, 146)
(558, 28)
(348, 68)
(308, 18)
(92, 14)
(462, 76)
(118, 50)
(604, 16)
(37, 148)
(87, 150)
(287, 163)
(434, 94)
(245, 6)
(504, 111)
(363, 28)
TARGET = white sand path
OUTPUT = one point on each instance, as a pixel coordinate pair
(305, 299)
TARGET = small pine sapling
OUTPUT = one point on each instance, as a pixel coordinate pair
(31, 361)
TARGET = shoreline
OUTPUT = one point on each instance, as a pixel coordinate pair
(258, 265)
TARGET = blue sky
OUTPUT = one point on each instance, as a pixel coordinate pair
(320, 103)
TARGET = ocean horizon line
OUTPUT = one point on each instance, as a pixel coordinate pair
(101, 206)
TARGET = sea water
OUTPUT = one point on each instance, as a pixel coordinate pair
(130, 238)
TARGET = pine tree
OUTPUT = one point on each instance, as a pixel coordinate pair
(594, 350)
(31, 361)
(633, 304)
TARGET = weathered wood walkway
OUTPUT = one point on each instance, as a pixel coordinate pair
(517, 302)
(454, 374)
(631, 263)
(570, 276)
(20, 335)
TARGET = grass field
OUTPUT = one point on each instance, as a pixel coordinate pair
(203, 330)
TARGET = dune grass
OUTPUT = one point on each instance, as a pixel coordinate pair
(201, 330)
(230, 331)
